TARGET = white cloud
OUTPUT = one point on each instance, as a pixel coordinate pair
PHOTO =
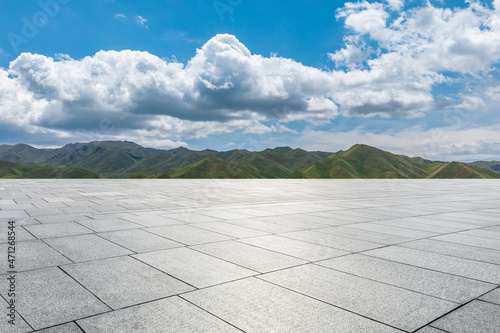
(121, 17)
(223, 88)
(413, 54)
(141, 21)
(395, 4)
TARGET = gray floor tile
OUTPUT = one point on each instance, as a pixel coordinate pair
(251, 257)
(262, 226)
(32, 255)
(416, 223)
(151, 220)
(230, 229)
(103, 224)
(66, 328)
(488, 243)
(486, 233)
(193, 267)
(187, 234)
(475, 317)
(462, 267)
(403, 232)
(300, 221)
(171, 315)
(138, 240)
(257, 306)
(14, 214)
(42, 231)
(492, 297)
(20, 233)
(225, 215)
(429, 329)
(375, 237)
(457, 250)
(124, 281)
(327, 239)
(391, 305)
(19, 326)
(341, 216)
(86, 247)
(294, 248)
(190, 217)
(50, 297)
(449, 287)
(19, 222)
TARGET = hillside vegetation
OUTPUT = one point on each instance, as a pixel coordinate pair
(16, 170)
(122, 159)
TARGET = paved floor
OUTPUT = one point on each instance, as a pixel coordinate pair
(252, 255)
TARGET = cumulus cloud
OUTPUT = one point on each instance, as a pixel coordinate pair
(412, 52)
(222, 89)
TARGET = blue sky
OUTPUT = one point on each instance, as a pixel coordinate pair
(413, 77)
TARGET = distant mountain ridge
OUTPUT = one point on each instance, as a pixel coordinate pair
(11, 170)
(123, 159)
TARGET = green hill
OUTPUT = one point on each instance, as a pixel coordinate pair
(462, 170)
(362, 161)
(492, 165)
(16, 170)
(212, 167)
(261, 164)
(123, 159)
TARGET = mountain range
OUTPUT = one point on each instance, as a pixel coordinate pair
(123, 159)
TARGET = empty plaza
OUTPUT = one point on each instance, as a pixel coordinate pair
(258, 256)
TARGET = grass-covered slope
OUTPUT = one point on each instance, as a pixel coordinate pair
(212, 167)
(492, 165)
(462, 170)
(362, 161)
(122, 159)
(16, 170)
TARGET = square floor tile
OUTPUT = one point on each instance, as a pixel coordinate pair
(391, 305)
(252, 257)
(50, 297)
(294, 248)
(365, 235)
(475, 317)
(187, 234)
(86, 247)
(124, 281)
(230, 230)
(103, 224)
(32, 255)
(492, 297)
(138, 240)
(458, 266)
(171, 315)
(328, 239)
(257, 306)
(193, 267)
(456, 250)
(263, 226)
(49, 230)
(446, 286)
(66, 328)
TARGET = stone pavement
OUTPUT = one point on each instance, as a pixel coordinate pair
(252, 255)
